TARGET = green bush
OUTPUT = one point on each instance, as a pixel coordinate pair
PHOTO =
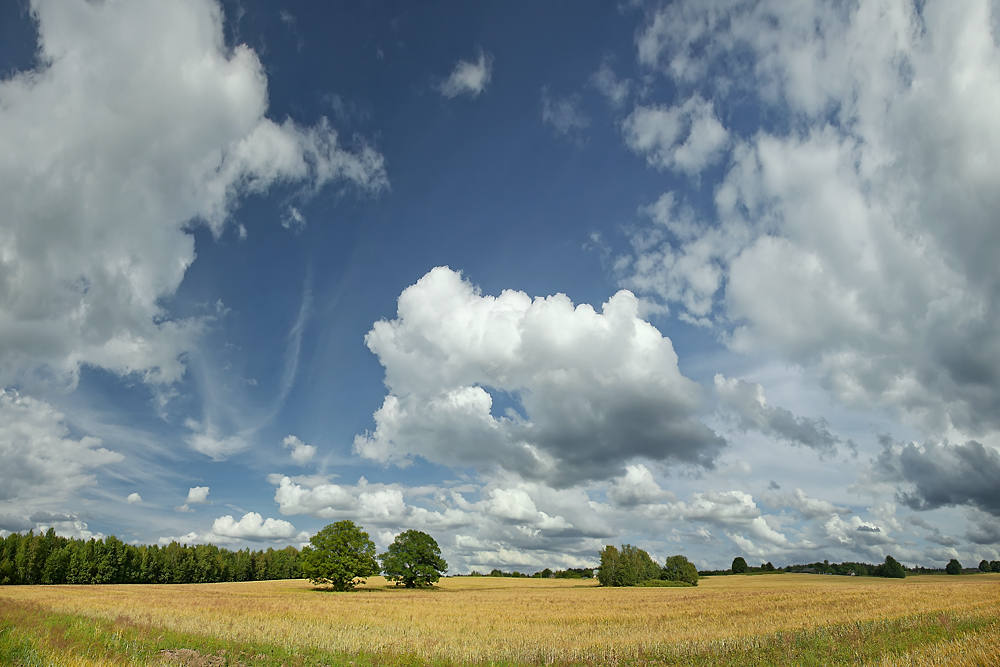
(664, 583)
(739, 565)
(953, 567)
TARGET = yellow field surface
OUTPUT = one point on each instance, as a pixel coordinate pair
(487, 619)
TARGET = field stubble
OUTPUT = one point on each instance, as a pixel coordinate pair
(486, 619)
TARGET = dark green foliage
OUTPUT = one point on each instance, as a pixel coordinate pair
(50, 559)
(626, 567)
(679, 568)
(568, 573)
(890, 568)
(413, 560)
(984, 566)
(339, 554)
(663, 583)
(995, 566)
(739, 565)
(953, 567)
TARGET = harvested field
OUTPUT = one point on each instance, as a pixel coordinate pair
(725, 620)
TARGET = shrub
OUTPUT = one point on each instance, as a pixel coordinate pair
(664, 583)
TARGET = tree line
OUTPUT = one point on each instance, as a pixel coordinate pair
(890, 568)
(50, 559)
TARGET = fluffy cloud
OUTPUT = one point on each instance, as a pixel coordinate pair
(746, 400)
(859, 229)
(588, 391)
(196, 496)
(687, 137)
(133, 498)
(941, 474)
(252, 527)
(809, 508)
(301, 452)
(563, 113)
(41, 459)
(608, 84)
(736, 511)
(637, 487)
(379, 504)
(468, 78)
(114, 144)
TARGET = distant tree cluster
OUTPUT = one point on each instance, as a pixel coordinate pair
(989, 566)
(50, 559)
(342, 555)
(546, 573)
(632, 566)
(890, 568)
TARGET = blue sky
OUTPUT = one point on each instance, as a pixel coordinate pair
(711, 278)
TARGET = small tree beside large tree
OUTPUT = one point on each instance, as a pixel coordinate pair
(413, 560)
(338, 555)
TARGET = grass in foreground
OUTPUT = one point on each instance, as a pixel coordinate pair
(799, 619)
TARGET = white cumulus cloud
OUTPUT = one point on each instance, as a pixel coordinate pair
(587, 390)
(252, 526)
(300, 451)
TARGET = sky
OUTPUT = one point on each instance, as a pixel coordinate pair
(716, 278)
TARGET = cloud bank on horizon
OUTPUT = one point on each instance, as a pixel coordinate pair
(330, 268)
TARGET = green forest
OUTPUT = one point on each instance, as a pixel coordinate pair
(50, 559)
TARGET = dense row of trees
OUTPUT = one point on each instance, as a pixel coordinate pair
(890, 568)
(50, 559)
(631, 566)
(547, 573)
(342, 555)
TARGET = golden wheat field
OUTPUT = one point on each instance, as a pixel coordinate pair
(762, 619)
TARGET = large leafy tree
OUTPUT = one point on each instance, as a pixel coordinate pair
(739, 565)
(679, 568)
(890, 568)
(338, 555)
(953, 567)
(413, 560)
